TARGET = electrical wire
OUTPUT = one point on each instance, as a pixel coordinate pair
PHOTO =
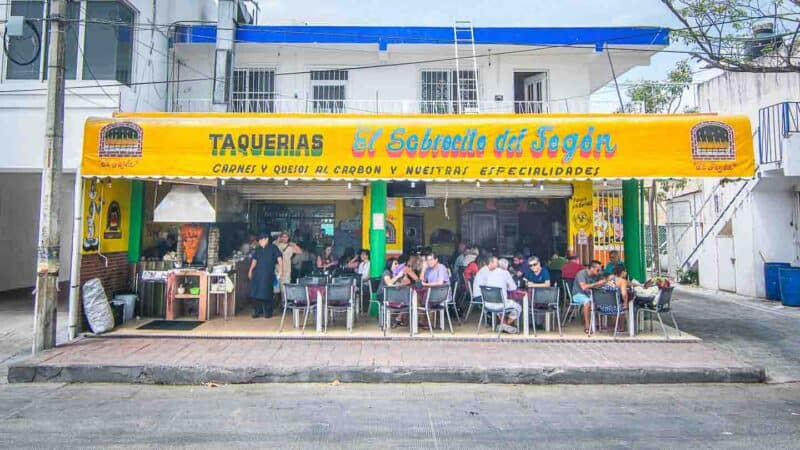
(591, 45)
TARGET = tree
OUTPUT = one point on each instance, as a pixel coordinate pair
(663, 97)
(741, 35)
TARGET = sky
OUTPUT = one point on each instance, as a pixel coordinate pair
(519, 13)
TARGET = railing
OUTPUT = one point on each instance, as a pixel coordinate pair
(775, 123)
(264, 104)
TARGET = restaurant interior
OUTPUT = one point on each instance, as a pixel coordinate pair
(198, 236)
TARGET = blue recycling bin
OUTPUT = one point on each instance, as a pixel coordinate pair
(789, 280)
(771, 279)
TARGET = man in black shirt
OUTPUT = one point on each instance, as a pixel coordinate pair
(266, 259)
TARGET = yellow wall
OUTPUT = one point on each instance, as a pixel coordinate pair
(580, 226)
(110, 241)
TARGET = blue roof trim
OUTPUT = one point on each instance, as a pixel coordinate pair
(384, 36)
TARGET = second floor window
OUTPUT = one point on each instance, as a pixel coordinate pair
(329, 90)
(106, 51)
(439, 91)
(253, 90)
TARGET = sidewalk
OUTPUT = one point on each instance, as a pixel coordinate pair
(194, 361)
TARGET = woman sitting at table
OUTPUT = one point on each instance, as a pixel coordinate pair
(618, 281)
(410, 269)
(393, 275)
(326, 261)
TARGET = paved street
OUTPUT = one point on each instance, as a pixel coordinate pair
(399, 416)
(759, 332)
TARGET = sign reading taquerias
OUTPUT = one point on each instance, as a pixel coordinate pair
(467, 147)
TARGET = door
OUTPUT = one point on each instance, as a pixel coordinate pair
(726, 264)
(413, 231)
(534, 92)
(483, 230)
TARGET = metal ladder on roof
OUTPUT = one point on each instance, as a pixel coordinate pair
(466, 75)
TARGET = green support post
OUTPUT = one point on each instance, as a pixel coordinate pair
(632, 229)
(135, 229)
(377, 237)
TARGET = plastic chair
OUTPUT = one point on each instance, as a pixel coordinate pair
(339, 298)
(572, 307)
(606, 303)
(493, 303)
(437, 299)
(396, 301)
(295, 297)
(472, 301)
(547, 300)
(662, 305)
(305, 281)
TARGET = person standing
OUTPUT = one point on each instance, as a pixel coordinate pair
(288, 250)
(262, 275)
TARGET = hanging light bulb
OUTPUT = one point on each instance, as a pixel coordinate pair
(222, 182)
(605, 183)
(413, 185)
(477, 184)
(541, 185)
(286, 182)
(160, 182)
(349, 185)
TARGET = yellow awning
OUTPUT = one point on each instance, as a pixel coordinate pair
(418, 147)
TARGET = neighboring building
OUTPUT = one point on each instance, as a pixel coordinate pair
(727, 229)
(121, 44)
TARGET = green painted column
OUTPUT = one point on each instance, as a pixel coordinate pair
(632, 229)
(377, 237)
(135, 229)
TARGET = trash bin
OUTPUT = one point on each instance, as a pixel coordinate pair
(789, 280)
(771, 279)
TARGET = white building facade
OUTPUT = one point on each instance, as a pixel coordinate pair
(730, 228)
(116, 60)
(164, 55)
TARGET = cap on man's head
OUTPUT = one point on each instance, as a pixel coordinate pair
(263, 235)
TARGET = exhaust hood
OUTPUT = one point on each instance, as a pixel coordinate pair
(185, 203)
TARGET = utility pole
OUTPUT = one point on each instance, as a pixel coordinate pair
(48, 251)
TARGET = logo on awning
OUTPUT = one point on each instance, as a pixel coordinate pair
(121, 140)
(713, 141)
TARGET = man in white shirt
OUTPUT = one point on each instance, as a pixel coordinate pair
(493, 276)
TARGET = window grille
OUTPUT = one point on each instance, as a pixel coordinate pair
(439, 92)
(329, 90)
(253, 90)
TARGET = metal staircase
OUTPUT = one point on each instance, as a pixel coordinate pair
(466, 75)
(745, 187)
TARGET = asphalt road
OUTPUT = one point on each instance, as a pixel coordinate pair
(399, 416)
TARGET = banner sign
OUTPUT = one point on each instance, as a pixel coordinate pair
(420, 147)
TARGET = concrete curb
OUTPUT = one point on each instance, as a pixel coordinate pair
(189, 375)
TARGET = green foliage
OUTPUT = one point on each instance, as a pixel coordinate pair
(688, 277)
(663, 96)
(719, 31)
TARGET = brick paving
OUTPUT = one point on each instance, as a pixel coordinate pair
(188, 361)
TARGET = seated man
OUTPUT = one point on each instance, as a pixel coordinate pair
(613, 261)
(536, 274)
(571, 268)
(586, 280)
(436, 274)
(492, 275)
